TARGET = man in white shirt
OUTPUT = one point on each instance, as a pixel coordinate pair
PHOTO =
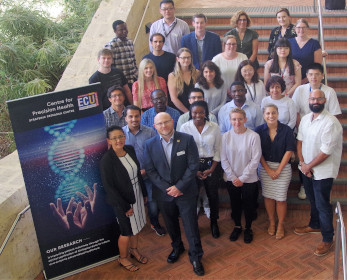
(315, 74)
(196, 94)
(319, 150)
(171, 27)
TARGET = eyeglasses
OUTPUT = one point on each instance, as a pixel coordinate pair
(116, 95)
(231, 44)
(160, 124)
(155, 100)
(120, 137)
(167, 9)
(299, 27)
(242, 19)
(316, 99)
(185, 57)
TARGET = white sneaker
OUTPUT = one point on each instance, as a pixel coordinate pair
(302, 194)
(207, 212)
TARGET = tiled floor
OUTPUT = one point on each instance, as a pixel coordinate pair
(265, 258)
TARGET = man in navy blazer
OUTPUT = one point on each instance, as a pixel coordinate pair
(171, 163)
(203, 44)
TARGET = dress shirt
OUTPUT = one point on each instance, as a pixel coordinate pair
(167, 147)
(185, 118)
(253, 114)
(323, 134)
(284, 141)
(112, 118)
(200, 44)
(208, 141)
(138, 140)
(302, 93)
(147, 118)
(240, 155)
(286, 109)
(124, 57)
(173, 33)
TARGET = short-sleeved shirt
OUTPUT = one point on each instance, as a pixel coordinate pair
(114, 78)
(164, 63)
(173, 33)
(112, 118)
(214, 97)
(147, 118)
(305, 55)
(323, 134)
(284, 141)
(146, 101)
(302, 93)
(124, 57)
(245, 45)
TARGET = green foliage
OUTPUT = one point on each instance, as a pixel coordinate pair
(35, 49)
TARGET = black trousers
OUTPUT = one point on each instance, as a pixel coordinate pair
(186, 208)
(243, 198)
(211, 184)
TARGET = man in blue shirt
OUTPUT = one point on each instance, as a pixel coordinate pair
(159, 100)
(253, 111)
(136, 135)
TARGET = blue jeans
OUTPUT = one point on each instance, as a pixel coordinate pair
(318, 192)
(152, 205)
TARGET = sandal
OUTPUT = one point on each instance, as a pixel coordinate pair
(140, 259)
(130, 267)
(280, 232)
(271, 229)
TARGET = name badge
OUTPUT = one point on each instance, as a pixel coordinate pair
(181, 153)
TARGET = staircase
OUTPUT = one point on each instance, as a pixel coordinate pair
(335, 40)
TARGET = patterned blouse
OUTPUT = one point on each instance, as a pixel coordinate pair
(276, 34)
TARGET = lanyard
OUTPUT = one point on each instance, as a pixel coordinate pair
(172, 27)
(255, 92)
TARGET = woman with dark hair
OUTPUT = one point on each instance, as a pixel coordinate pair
(229, 60)
(182, 80)
(207, 137)
(277, 145)
(210, 81)
(275, 86)
(305, 49)
(285, 30)
(285, 66)
(125, 191)
(247, 39)
(247, 74)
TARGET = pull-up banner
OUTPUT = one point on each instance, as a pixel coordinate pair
(61, 138)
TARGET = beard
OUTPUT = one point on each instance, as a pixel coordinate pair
(316, 108)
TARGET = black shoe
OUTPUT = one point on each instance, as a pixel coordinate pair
(215, 230)
(174, 255)
(159, 230)
(248, 235)
(235, 234)
(198, 268)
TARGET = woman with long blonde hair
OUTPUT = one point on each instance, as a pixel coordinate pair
(182, 80)
(147, 82)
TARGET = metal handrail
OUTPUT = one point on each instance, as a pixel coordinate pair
(340, 243)
(143, 17)
(19, 216)
(321, 38)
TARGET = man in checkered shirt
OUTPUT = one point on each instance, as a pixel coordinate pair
(123, 52)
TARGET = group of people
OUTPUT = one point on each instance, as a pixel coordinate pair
(194, 116)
